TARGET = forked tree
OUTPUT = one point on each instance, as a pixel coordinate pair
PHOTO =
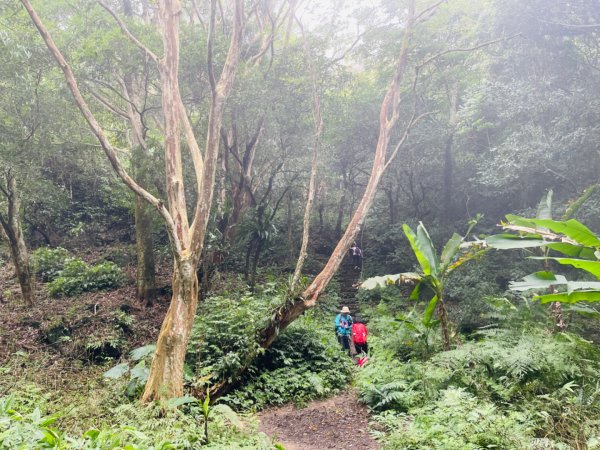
(187, 239)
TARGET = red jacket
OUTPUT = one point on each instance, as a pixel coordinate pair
(359, 333)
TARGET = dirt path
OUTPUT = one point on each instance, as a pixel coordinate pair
(337, 423)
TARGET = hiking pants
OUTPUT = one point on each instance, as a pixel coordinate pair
(362, 348)
(344, 341)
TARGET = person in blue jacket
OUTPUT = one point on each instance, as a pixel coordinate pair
(343, 328)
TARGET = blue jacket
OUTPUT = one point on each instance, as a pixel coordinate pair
(343, 324)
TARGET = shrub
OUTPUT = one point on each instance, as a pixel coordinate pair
(77, 277)
(459, 421)
(48, 262)
(24, 425)
(526, 381)
(303, 364)
(29, 430)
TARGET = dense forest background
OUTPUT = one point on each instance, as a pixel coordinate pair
(496, 103)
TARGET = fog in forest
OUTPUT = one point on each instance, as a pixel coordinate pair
(291, 224)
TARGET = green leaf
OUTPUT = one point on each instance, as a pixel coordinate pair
(538, 280)
(571, 228)
(510, 241)
(426, 245)
(416, 292)
(92, 434)
(141, 352)
(140, 374)
(383, 281)
(570, 297)
(206, 404)
(46, 421)
(583, 309)
(451, 248)
(178, 401)
(592, 267)
(422, 248)
(51, 438)
(117, 372)
(229, 414)
(574, 251)
(135, 433)
(429, 311)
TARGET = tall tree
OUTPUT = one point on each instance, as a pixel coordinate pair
(187, 240)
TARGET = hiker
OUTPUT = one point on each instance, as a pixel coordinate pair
(356, 255)
(343, 328)
(359, 336)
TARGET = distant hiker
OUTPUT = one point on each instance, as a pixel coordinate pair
(343, 328)
(356, 253)
(359, 336)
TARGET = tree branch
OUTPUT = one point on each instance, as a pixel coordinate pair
(430, 9)
(210, 45)
(127, 33)
(112, 108)
(98, 131)
(466, 49)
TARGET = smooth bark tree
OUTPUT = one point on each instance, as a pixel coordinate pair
(187, 239)
(135, 92)
(312, 182)
(388, 118)
(10, 222)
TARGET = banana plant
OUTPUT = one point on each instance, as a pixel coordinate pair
(434, 271)
(576, 245)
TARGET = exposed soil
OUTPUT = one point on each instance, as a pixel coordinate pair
(339, 423)
(90, 316)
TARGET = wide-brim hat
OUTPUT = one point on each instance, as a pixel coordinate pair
(345, 310)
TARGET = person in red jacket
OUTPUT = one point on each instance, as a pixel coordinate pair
(359, 336)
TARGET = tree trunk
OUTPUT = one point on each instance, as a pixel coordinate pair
(452, 93)
(340, 216)
(11, 225)
(448, 178)
(290, 228)
(443, 314)
(254, 268)
(166, 372)
(134, 91)
(310, 195)
(145, 276)
(388, 117)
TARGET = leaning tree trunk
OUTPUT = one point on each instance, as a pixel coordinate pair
(388, 117)
(11, 225)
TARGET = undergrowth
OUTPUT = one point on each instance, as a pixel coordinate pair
(304, 363)
(69, 275)
(517, 388)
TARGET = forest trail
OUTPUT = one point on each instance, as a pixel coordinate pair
(339, 423)
(348, 278)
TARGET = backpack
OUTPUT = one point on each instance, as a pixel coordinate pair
(359, 333)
